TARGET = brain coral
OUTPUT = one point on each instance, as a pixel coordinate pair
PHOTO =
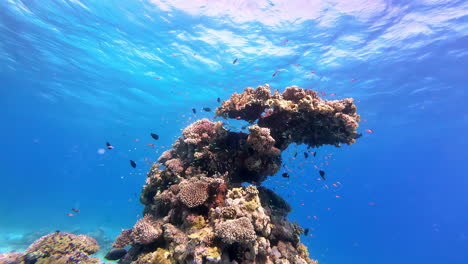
(193, 194)
(238, 230)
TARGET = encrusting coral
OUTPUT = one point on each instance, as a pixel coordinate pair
(196, 210)
(56, 248)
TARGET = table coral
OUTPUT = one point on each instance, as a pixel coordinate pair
(196, 210)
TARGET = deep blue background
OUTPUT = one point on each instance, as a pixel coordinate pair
(74, 77)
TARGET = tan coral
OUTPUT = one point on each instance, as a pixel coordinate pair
(193, 194)
(146, 230)
(238, 230)
(61, 243)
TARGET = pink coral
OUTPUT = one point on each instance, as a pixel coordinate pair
(193, 194)
(175, 165)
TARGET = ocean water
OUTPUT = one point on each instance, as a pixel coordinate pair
(76, 74)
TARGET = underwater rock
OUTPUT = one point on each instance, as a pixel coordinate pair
(195, 208)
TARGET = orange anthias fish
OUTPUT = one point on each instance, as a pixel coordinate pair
(109, 146)
(70, 214)
(369, 131)
(353, 80)
(151, 145)
(75, 210)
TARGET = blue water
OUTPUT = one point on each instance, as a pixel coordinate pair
(76, 74)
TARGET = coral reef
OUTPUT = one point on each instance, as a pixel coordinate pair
(56, 248)
(196, 210)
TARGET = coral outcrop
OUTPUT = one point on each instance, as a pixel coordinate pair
(56, 248)
(196, 209)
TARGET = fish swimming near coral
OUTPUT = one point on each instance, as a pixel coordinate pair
(75, 210)
(70, 214)
(234, 62)
(132, 163)
(109, 146)
(322, 174)
(155, 136)
(306, 231)
(207, 109)
(194, 110)
(314, 154)
(306, 155)
(369, 131)
(274, 74)
(219, 100)
(285, 175)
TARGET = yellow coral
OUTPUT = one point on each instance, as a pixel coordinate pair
(160, 256)
(198, 222)
(213, 254)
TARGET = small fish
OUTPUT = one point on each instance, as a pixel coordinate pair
(297, 65)
(314, 154)
(312, 71)
(353, 80)
(155, 136)
(322, 174)
(70, 214)
(234, 62)
(238, 118)
(323, 94)
(219, 100)
(295, 154)
(157, 78)
(109, 146)
(332, 94)
(207, 109)
(75, 210)
(194, 110)
(369, 131)
(132, 163)
(151, 145)
(306, 231)
(274, 74)
(285, 175)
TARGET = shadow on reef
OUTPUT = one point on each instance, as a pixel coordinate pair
(196, 210)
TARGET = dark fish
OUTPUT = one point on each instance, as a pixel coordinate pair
(116, 254)
(295, 154)
(285, 175)
(314, 153)
(153, 135)
(274, 74)
(132, 163)
(234, 62)
(219, 100)
(322, 174)
(207, 109)
(306, 231)
(306, 155)
(109, 146)
(194, 110)
(75, 210)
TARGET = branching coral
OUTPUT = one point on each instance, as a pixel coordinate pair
(195, 208)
